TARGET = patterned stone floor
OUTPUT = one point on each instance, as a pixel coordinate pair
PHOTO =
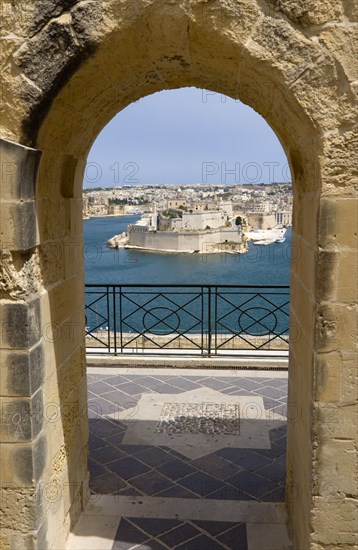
(193, 437)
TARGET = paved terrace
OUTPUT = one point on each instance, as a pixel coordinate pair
(191, 459)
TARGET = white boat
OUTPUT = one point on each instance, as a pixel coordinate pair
(266, 236)
(280, 240)
(263, 242)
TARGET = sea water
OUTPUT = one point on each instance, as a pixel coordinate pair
(261, 265)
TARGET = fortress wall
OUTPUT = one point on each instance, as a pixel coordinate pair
(199, 220)
(181, 242)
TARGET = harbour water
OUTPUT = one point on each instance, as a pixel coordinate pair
(261, 265)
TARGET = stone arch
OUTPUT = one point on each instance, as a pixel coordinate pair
(69, 67)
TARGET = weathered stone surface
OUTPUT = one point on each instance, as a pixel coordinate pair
(22, 372)
(20, 274)
(21, 419)
(341, 529)
(18, 167)
(67, 68)
(20, 506)
(308, 12)
(18, 228)
(24, 463)
(21, 324)
(336, 327)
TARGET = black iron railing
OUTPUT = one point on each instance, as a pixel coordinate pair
(187, 319)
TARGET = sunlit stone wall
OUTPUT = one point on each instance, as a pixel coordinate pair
(67, 67)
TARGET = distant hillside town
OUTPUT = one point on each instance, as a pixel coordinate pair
(197, 218)
(263, 205)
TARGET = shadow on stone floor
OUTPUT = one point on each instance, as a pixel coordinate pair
(134, 455)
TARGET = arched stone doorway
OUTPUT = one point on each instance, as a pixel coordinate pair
(69, 68)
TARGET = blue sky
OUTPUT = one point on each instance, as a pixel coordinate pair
(186, 136)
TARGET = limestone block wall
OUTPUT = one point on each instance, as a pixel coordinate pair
(43, 424)
(67, 68)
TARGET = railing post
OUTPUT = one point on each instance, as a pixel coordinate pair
(114, 320)
(120, 318)
(108, 321)
(202, 319)
(215, 319)
(209, 320)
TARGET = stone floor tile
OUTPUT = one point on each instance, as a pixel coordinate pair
(280, 409)
(107, 484)
(162, 387)
(95, 442)
(100, 387)
(95, 469)
(120, 398)
(176, 454)
(281, 459)
(272, 393)
(128, 467)
(184, 384)
(266, 381)
(245, 458)
(200, 543)
(194, 377)
(129, 491)
(91, 395)
(252, 484)
(281, 384)
(201, 483)
(176, 491)
(229, 492)
(115, 439)
(107, 454)
(154, 526)
(238, 391)
(178, 535)
(91, 378)
(275, 451)
(215, 383)
(151, 483)
(133, 449)
(166, 388)
(275, 471)
(104, 427)
(214, 527)
(148, 382)
(154, 456)
(131, 388)
(176, 469)
(128, 535)
(276, 495)
(247, 384)
(216, 466)
(229, 390)
(270, 403)
(100, 407)
(278, 433)
(235, 538)
(92, 532)
(115, 379)
(267, 536)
